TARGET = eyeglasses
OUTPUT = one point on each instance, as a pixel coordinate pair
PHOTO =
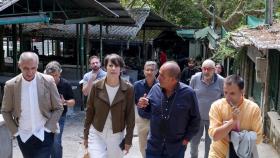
(207, 68)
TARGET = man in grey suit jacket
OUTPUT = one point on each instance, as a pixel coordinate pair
(31, 108)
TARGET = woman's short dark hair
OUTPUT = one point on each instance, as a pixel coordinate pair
(235, 79)
(115, 59)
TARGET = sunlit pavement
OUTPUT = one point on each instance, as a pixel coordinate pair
(73, 133)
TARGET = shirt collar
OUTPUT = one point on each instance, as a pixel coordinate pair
(29, 82)
(146, 84)
(214, 78)
(175, 89)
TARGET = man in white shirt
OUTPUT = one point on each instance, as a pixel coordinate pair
(31, 108)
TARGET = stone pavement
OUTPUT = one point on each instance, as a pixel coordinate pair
(72, 139)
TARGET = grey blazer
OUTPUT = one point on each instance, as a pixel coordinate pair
(48, 98)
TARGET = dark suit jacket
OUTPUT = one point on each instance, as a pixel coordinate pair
(48, 98)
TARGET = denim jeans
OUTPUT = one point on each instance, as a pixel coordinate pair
(57, 145)
(164, 154)
(196, 140)
(35, 148)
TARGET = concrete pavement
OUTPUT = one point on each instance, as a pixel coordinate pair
(72, 142)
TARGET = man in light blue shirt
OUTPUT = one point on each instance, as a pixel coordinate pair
(95, 74)
(208, 87)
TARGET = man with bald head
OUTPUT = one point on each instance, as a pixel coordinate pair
(174, 114)
(208, 87)
(31, 108)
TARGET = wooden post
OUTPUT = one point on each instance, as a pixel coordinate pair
(266, 103)
(246, 75)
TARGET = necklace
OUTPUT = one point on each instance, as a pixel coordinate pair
(170, 105)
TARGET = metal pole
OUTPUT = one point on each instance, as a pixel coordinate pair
(101, 43)
(82, 47)
(121, 49)
(20, 38)
(28, 9)
(87, 47)
(144, 44)
(41, 5)
(8, 49)
(82, 55)
(77, 47)
(43, 46)
(14, 32)
(228, 66)
(268, 12)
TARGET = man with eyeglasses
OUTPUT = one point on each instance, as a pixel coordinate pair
(208, 87)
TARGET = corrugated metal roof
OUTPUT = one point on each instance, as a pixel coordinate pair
(59, 11)
(6, 3)
(109, 31)
(262, 37)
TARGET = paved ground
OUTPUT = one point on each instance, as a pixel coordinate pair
(72, 142)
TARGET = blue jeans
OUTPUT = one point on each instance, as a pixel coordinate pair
(196, 140)
(164, 154)
(57, 145)
(35, 148)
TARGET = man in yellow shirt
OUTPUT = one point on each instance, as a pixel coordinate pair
(233, 112)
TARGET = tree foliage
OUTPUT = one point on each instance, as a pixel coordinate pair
(224, 50)
(197, 13)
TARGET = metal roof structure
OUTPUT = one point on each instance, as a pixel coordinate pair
(111, 30)
(6, 3)
(156, 22)
(262, 37)
(70, 11)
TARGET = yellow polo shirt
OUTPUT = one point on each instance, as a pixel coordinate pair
(251, 120)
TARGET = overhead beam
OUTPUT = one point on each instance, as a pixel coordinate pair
(84, 20)
(6, 4)
(24, 19)
(107, 9)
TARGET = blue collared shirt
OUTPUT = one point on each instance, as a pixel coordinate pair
(140, 88)
(173, 118)
(88, 75)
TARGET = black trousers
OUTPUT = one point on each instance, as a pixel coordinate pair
(232, 153)
(35, 148)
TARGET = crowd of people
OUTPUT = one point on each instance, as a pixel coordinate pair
(175, 108)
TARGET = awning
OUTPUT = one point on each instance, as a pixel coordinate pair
(254, 22)
(209, 33)
(42, 18)
(186, 33)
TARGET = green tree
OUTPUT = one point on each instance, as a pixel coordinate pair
(196, 13)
